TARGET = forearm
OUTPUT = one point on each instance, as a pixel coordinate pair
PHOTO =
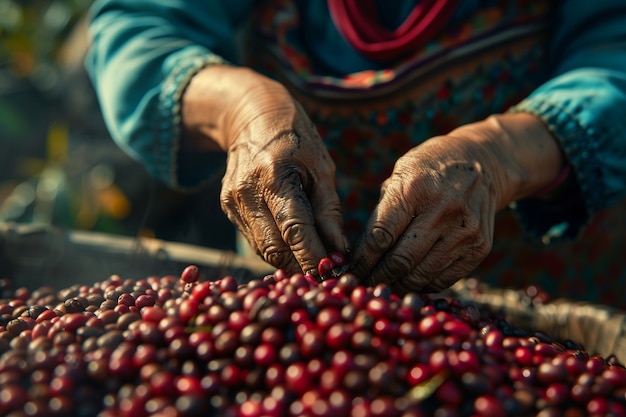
(522, 149)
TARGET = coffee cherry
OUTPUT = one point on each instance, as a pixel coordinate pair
(325, 268)
(338, 258)
(283, 345)
(190, 274)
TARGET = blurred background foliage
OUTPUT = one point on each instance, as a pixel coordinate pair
(58, 166)
(34, 33)
(47, 110)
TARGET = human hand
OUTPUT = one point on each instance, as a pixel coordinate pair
(434, 222)
(278, 188)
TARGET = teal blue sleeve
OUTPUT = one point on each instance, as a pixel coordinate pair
(142, 55)
(584, 105)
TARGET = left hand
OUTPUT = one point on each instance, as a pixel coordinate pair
(434, 222)
(278, 188)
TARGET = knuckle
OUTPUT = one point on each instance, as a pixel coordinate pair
(481, 248)
(486, 244)
(397, 264)
(461, 269)
(416, 281)
(294, 233)
(331, 207)
(244, 192)
(281, 175)
(394, 190)
(227, 201)
(381, 238)
(434, 265)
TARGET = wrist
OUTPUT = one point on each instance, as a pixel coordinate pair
(524, 156)
(536, 151)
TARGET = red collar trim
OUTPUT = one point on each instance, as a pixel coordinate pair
(357, 20)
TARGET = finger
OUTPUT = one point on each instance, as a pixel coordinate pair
(464, 230)
(230, 202)
(248, 211)
(325, 203)
(469, 244)
(269, 242)
(445, 264)
(413, 245)
(416, 275)
(328, 218)
(294, 218)
(457, 270)
(231, 209)
(388, 220)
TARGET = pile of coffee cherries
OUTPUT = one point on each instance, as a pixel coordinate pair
(283, 345)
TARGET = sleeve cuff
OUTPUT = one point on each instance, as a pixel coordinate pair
(565, 216)
(167, 158)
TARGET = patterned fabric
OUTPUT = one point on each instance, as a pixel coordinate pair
(370, 118)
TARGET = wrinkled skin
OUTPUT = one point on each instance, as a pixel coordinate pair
(279, 184)
(434, 222)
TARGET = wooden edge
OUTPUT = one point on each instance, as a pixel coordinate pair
(160, 249)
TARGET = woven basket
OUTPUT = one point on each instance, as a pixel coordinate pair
(600, 329)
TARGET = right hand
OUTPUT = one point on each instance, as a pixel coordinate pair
(434, 222)
(278, 188)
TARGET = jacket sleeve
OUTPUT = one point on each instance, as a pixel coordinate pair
(584, 106)
(142, 56)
